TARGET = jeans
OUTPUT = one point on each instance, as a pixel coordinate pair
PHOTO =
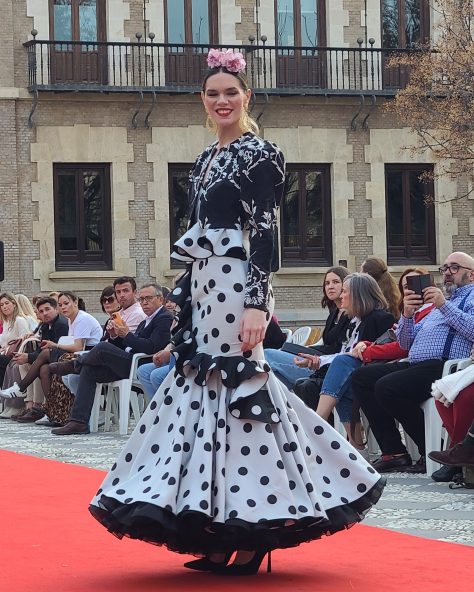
(338, 384)
(283, 365)
(151, 377)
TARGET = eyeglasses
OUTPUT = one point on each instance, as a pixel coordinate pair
(146, 299)
(453, 268)
(107, 299)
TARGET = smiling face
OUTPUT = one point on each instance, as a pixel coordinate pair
(332, 286)
(224, 99)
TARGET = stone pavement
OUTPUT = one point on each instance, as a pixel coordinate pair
(413, 504)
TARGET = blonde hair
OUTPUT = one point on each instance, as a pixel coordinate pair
(25, 307)
(13, 300)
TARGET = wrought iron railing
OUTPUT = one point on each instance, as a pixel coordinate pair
(170, 68)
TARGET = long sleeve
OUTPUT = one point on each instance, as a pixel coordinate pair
(262, 182)
(153, 338)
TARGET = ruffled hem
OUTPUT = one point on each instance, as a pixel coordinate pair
(249, 398)
(203, 242)
(196, 533)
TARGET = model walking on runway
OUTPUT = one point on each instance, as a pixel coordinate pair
(225, 459)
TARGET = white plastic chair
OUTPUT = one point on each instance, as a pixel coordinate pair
(126, 398)
(436, 437)
(288, 333)
(301, 335)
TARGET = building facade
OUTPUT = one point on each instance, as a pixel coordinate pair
(101, 119)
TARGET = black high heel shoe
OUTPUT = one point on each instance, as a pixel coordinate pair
(251, 567)
(205, 564)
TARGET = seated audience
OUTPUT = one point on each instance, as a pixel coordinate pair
(85, 332)
(454, 396)
(110, 306)
(15, 326)
(364, 303)
(377, 268)
(337, 323)
(132, 313)
(112, 360)
(27, 310)
(372, 351)
(52, 327)
(393, 392)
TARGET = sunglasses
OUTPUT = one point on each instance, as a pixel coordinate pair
(107, 299)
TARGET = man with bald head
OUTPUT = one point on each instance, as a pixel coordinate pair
(389, 392)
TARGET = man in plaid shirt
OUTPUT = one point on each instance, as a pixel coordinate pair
(389, 392)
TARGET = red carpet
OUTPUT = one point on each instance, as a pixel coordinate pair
(49, 543)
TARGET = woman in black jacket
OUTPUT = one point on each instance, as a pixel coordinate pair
(337, 323)
(365, 304)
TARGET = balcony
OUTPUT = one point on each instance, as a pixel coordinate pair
(63, 66)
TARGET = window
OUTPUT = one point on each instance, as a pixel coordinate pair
(82, 216)
(192, 22)
(178, 181)
(78, 20)
(405, 23)
(306, 216)
(410, 221)
(300, 23)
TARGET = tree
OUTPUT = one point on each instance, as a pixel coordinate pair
(438, 102)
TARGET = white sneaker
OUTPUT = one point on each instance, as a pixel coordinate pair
(43, 421)
(12, 393)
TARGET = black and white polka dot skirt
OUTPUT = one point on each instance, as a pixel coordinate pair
(225, 457)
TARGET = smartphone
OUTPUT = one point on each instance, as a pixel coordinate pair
(117, 319)
(418, 283)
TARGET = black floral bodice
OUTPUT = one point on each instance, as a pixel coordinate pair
(236, 199)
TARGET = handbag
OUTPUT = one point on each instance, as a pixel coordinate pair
(308, 389)
(388, 337)
(12, 347)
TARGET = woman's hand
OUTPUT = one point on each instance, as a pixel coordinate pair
(358, 350)
(46, 344)
(252, 328)
(308, 361)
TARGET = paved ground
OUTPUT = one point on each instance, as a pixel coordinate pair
(413, 504)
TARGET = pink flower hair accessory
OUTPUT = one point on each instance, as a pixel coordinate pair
(230, 60)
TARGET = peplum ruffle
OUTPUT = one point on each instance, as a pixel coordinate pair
(202, 242)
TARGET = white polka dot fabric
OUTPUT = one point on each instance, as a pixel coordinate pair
(197, 476)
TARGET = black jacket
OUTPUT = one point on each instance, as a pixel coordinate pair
(334, 333)
(150, 339)
(59, 328)
(374, 325)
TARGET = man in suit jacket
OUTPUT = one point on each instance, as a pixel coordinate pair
(109, 361)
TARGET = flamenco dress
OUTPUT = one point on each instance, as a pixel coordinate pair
(225, 457)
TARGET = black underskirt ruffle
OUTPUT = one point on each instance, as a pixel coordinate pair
(195, 532)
